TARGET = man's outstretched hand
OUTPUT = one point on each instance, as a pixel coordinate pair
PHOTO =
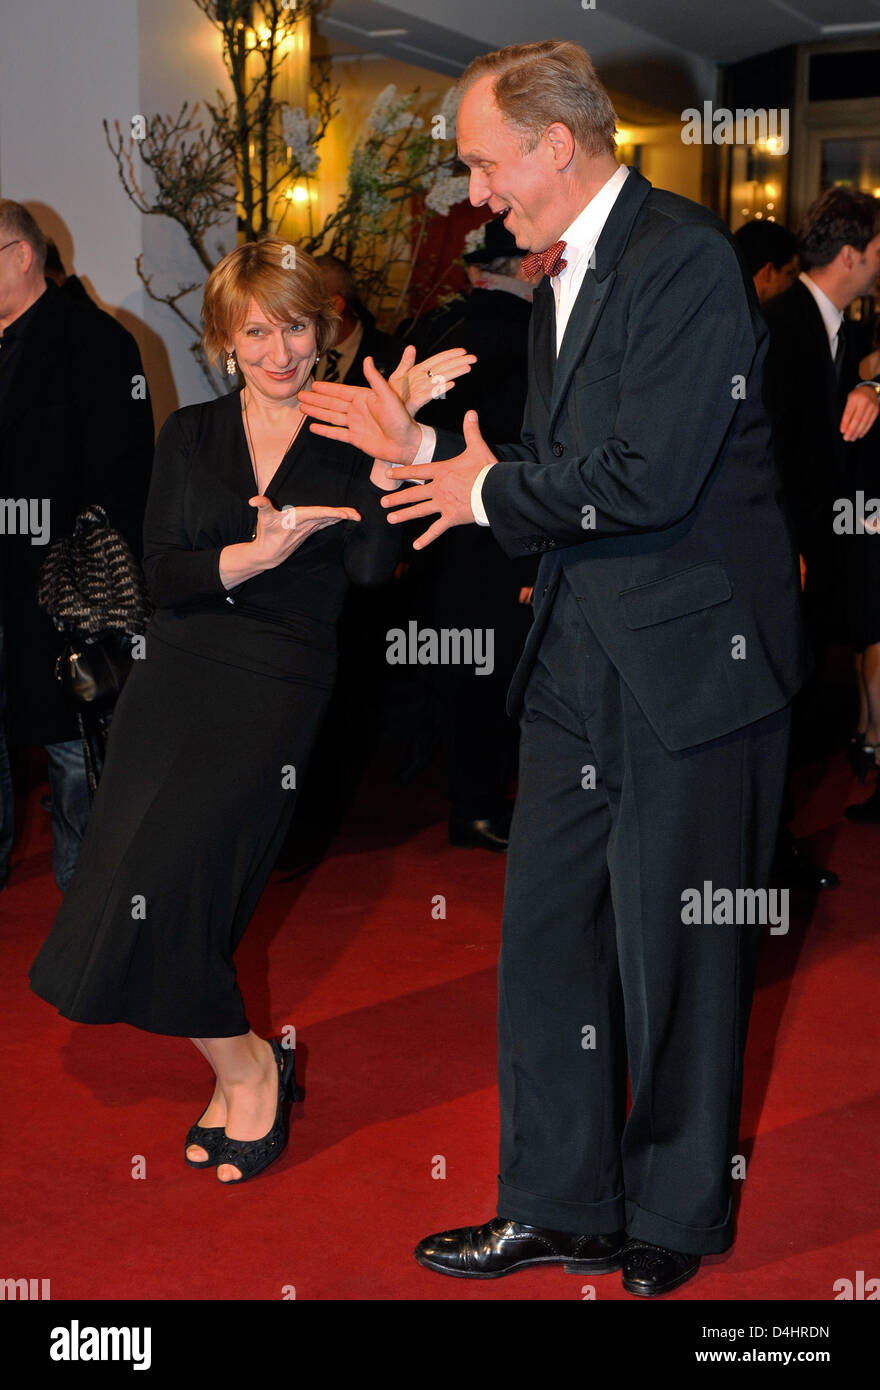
(373, 419)
(447, 486)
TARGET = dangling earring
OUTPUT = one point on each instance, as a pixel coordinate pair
(317, 360)
(231, 364)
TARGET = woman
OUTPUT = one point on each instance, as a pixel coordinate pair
(214, 727)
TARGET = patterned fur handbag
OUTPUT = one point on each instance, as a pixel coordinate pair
(92, 588)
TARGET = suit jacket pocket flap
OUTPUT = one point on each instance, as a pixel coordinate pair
(597, 368)
(675, 596)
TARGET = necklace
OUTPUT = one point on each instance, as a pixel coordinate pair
(253, 452)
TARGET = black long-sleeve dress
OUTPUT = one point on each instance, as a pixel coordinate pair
(211, 733)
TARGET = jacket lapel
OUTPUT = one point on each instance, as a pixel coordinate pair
(544, 338)
(597, 285)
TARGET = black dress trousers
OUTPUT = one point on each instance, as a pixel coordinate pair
(598, 969)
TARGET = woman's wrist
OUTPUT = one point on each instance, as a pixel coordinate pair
(240, 562)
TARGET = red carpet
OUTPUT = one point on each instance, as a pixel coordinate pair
(394, 1011)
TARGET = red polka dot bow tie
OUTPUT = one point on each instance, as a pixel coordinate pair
(550, 261)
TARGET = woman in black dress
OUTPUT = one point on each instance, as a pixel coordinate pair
(214, 726)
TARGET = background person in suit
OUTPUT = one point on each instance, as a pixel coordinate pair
(76, 428)
(821, 415)
(770, 253)
(817, 405)
(465, 581)
(358, 335)
(654, 688)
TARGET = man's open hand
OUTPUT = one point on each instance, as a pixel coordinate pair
(447, 486)
(373, 418)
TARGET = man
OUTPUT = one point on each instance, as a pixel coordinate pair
(76, 428)
(818, 411)
(817, 405)
(770, 253)
(654, 687)
(358, 336)
(822, 413)
(465, 582)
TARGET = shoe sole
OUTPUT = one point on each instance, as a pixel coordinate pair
(606, 1266)
(657, 1293)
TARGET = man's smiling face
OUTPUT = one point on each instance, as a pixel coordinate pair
(513, 183)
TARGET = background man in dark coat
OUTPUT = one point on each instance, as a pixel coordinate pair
(76, 428)
(654, 688)
(465, 581)
(817, 407)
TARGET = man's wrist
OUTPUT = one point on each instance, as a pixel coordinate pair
(477, 507)
(874, 385)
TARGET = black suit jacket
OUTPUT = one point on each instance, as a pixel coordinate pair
(686, 570)
(383, 349)
(805, 401)
(72, 433)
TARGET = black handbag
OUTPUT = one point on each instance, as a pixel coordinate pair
(93, 671)
(94, 591)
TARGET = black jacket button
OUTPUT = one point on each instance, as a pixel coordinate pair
(558, 449)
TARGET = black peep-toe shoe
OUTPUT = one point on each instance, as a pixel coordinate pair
(251, 1156)
(211, 1140)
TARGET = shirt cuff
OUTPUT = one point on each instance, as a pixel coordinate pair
(477, 507)
(424, 454)
(425, 451)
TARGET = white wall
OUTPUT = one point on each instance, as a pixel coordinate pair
(179, 52)
(64, 67)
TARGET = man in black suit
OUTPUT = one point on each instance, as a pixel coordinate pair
(358, 337)
(654, 689)
(465, 581)
(817, 405)
(770, 253)
(76, 428)
(817, 412)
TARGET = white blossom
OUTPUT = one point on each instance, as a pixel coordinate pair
(300, 132)
(446, 192)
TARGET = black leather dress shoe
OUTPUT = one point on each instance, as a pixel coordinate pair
(796, 868)
(491, 833)
(502, 1246)
(649, 1270)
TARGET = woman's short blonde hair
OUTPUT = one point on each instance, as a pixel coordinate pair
(286, 283)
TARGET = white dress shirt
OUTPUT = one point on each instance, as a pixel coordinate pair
(832, 317)
(580, 239)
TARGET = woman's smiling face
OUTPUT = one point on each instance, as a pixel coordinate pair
(275, 359)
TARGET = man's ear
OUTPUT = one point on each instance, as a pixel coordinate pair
(338, 303)
(562, 142)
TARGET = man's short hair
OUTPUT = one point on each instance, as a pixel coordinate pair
(539, 83)
(17, 224)
(761, 242)
(339, 277)
(839, 217)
